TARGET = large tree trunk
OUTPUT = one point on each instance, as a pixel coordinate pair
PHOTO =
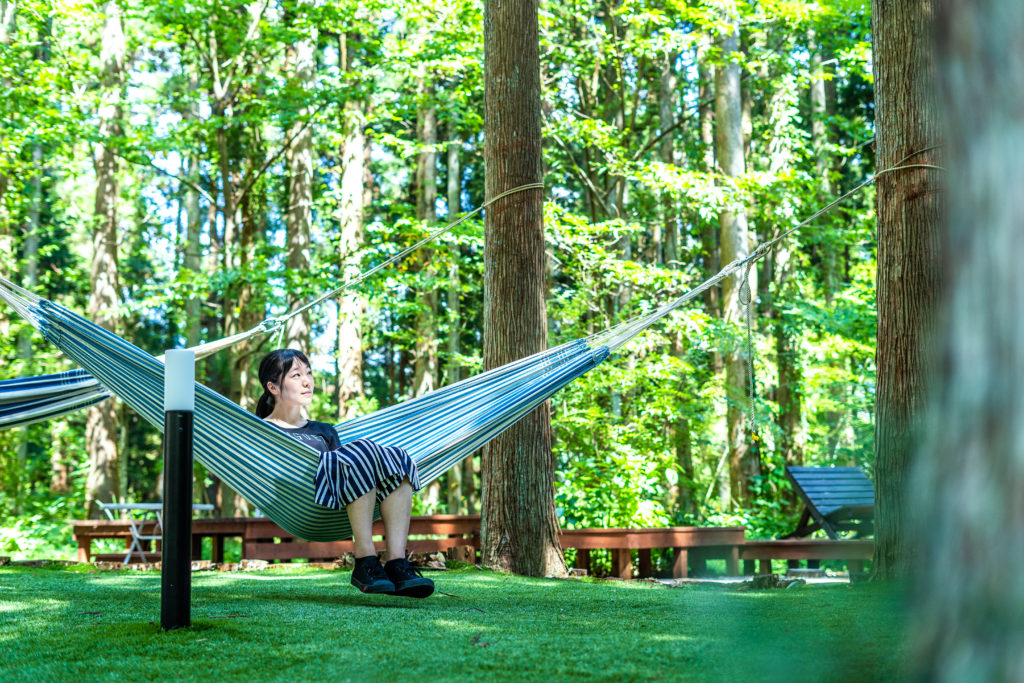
(101, 419)
(351, 305)
(909, 209)
(743, 463)
(970, 477)
(520, 531)
(299, 217)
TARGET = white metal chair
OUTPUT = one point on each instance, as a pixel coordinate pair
(138, 514)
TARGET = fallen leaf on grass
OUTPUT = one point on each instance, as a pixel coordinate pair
(475, 640)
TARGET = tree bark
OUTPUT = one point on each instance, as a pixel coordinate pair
(453, 368)
(425, 368)
(349, 371)
(909, 212)
(666, 250)
(101, 419)
(743, 463)
(969, 484)
(299, 217)
(194, 222)
(520, 530)
(8, 26)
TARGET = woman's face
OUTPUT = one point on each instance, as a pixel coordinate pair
(296, 387)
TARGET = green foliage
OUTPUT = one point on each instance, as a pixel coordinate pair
(211, 101)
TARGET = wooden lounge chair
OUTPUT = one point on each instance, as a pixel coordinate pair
(836, 499)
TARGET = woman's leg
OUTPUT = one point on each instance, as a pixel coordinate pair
(395, 510)
(360, 516)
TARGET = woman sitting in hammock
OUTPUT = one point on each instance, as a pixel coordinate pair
(354, 475)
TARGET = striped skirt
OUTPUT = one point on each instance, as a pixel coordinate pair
(356, 468)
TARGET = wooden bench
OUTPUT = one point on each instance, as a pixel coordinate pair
(264, 540)
(704, 542)
(853, 551)
(87, 530)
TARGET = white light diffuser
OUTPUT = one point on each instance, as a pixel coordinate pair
(180, 380)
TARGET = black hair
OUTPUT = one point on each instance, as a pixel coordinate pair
(274, 366)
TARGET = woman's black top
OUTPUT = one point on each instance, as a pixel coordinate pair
(317, 435)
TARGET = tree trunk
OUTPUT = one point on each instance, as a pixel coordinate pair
(453, 367)
(351, 305)
(101, 419)
(830, 244)
(194, 220)
(969, 488)
(666, 250)
(909, 211)
(520, 530)
(743, 463)
(299, 217)
(789, 377)
(822, 164)
(8, 12)
(426, 367)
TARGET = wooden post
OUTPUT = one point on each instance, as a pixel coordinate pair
(583, 559)
(679, 570)
(644, 558)
(622, 563)
(732, 561)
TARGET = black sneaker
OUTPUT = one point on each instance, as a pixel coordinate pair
(407, 579)
(369, 576)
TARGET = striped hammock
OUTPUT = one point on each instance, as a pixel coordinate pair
(271, 469)
(26, 400)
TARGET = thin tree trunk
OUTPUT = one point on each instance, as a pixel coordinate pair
(299, 217)
(822, 162)
(669, 253)
(743, 463)
(8, 25)
(456, 475)
(969, 490)
(194, 220)
(351, 305)
(829, 247)
(909, 212)
(426, 366)
(101, 419)
(520, 530)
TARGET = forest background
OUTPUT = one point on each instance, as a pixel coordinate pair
(179, 172)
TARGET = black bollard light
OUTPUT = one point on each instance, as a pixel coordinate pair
(176, 575)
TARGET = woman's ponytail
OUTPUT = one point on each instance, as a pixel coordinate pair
(265, 406)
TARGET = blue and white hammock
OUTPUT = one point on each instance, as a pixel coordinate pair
(271, 469)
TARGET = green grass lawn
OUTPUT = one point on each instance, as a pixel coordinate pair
(310, 624)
